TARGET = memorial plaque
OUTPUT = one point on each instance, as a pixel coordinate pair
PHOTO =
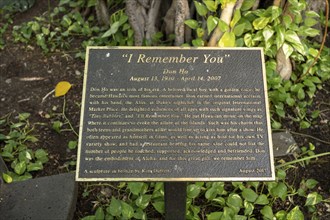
(174, 114)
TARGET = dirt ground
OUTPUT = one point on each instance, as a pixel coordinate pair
(27, 76)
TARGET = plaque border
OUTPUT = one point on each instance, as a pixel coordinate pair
(171, 179)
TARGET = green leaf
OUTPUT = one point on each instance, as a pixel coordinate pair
(267, 33)
(240, 217)
(287, 49)
(311, 32)
(211, 193)
(313, 199)
(294, 39)
(135, 187)
(127, 211)
(7, 178)
(201, 8)
(66, 21)
(304, 124)
(211, 23)
(24, 155)
(114, 207)
(290, 101)
(249, 207)
(309, 22)
(217, 188)
(72, 145)
(31, 138)
(35, 166)
(260, 23)
(214, 216)
(236, 18)
(315, 114)
(220, 200)
(193, 24)
(301, 94)
(267, 212)
(315, 79)
(295, 214)
(17, 125)
(35, 26)
(247, 4)
(223, 26)
(274, 11)
(41, 155)
(312, 14)
(23, 116)
(249, 195)
(113, 29)
(227, 40)
(239, 29)
(195, 209)
(193, 191)
(234, 201)
(20, 168)
(3, 137)
(6, 154)
(280, 37)
(200, 32)
(276, 124)
(281, 215)
(57, 126)
(262, 200)
(280, 112)
(198, 42)
(248, 40)
(140, 214)
(211, 5)
(17, 177)
(123, 19)
(91, 3)
(295, 88)
(62, 2)
(281, 174)
(99, 214)
(254, 184)
(281, 191)
(143, 201)
(159, 206)
(287, 20)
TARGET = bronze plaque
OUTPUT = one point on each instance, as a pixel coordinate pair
(174, 114)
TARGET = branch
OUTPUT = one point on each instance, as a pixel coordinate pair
(283, 65)
(152, 19)
(169, 19)
(182, 12)
(136, 17)
(277, 3)
(226, 16)
(256, 5)
(102, 12)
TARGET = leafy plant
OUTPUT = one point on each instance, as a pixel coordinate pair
(6, 14)
(217, 200)
(16, 139)
(141, 196)
(57, 29)
(273, 30)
